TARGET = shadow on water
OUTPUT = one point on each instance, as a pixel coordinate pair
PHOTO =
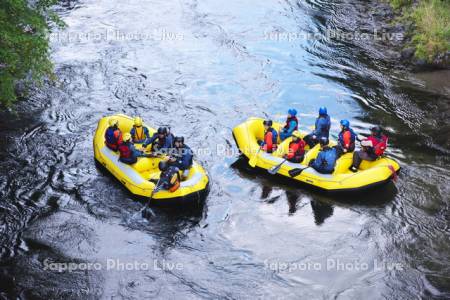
(374, 196)
(321, 202)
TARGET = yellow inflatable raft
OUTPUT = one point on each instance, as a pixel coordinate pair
(373, 173)
(140, 178)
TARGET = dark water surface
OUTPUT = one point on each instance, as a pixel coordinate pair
(204, 67)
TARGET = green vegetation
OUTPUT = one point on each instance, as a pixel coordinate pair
(24, 44)
(400, 3)
(431, 19)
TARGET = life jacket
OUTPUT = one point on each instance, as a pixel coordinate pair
(113, 138)
(270, 140)
(296, 150)
(328, 159)
(324, 131)
(171, 179)
(125, 151)
(288, 121)
(161, 143)
(342, 142)
(139, 133)
(379, 144)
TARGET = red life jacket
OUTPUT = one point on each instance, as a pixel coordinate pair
(288, 120)
(379, 144)
(125, 151)
(296, 149)
(270, 140)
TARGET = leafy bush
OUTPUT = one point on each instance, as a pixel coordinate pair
(432, 36)
(431, 19)
(24, 44)
(400, 3)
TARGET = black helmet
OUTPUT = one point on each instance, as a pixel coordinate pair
(179, 139)
(268, 122)
(324, 141)
(376, 130)
(163, 165)
(162, 130)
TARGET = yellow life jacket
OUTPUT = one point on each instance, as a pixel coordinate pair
(139, 133)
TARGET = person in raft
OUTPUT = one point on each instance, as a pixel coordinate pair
(162, 140)
(296, 150)
(290, 126)
(326, 159)
(321, 129)
(139, 133)
(346, 139)
(372, 148)
(170, 177)
(128, 153)
(269, 144)
(113, 135)
(181, 156)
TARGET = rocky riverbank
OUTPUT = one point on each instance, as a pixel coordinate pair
(407, 22)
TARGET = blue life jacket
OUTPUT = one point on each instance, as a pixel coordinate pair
(184, 157)
(325, 161)
(322, 126)
(109, 135)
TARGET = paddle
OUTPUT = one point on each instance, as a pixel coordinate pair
(148, 209)
(297, 171)
(275, 169)
(254, 159)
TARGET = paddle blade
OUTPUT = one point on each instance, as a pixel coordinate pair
(274, 170)
(296, 172)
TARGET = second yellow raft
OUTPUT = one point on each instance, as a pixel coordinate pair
(373, 173)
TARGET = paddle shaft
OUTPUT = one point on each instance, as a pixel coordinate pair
(277, 167)
(298, 171)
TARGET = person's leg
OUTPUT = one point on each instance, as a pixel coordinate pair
(296, 160)
(339, 151)
(356, 161)
(357, 158)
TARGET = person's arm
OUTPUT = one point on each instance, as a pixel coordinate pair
(150, 140)
(366, 143)
(318, 127)
(146, 133)
(291, 128)
(133, 133)
(187, 158)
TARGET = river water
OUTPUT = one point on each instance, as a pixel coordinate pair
(203, 67)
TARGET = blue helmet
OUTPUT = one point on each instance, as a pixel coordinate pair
(345, 123)
(292, 112)
(322, 110)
